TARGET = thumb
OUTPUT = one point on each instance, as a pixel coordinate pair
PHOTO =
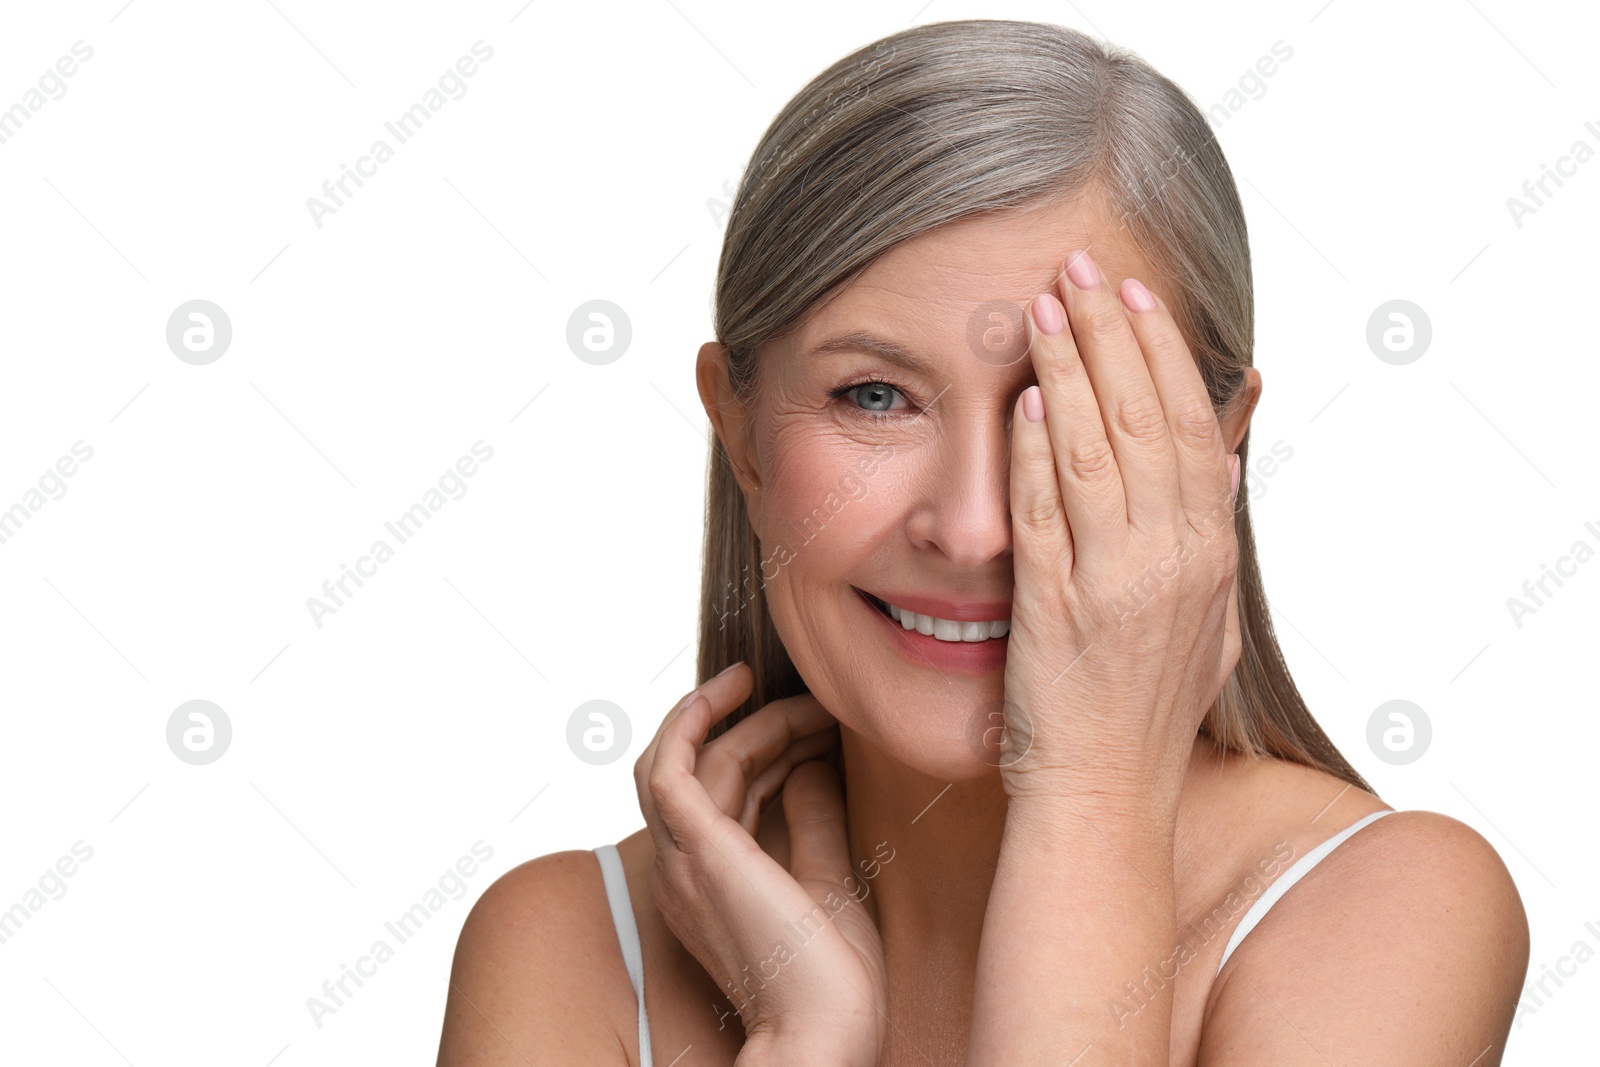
(819, 841)
(819, 851)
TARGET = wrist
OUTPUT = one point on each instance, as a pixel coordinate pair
(1071, 817)
(1124, 795)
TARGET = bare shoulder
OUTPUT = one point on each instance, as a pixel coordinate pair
(537, 976)
(1406, 944)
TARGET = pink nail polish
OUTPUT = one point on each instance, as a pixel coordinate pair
(1033, 404)
(1047, 313)
(1136, 296)
(1082, 270)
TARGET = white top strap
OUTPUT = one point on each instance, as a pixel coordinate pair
(1282, 884)
(627, 936)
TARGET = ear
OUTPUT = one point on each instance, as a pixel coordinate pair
(729, 419)
(1236, 421)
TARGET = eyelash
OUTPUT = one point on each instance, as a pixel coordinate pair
(842, 391)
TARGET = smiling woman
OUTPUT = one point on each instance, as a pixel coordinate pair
(1032, 660)
(967, 121)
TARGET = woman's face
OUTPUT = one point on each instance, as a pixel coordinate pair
(901, 489)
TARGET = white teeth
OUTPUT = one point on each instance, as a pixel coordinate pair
(946, 629)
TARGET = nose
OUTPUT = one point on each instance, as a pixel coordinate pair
(964, 511)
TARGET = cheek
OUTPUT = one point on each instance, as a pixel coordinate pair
(827, 483)
(828, 515)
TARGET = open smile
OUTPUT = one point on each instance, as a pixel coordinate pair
(928, 640)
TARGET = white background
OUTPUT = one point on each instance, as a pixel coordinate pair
(588, 160)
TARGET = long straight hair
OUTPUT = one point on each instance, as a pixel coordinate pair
(954, 119)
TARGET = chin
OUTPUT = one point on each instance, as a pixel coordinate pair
(953, 747)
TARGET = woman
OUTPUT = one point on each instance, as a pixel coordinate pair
(1008, 762)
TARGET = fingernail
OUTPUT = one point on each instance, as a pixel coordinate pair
(1033, 404)
(1136, 296)
(680, 705)
(1233, 461)
(1082, 271)
(1047, 312)
(728, 668)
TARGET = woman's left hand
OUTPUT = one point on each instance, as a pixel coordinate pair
(1124, 623)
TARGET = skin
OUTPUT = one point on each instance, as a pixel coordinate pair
(1407, 945)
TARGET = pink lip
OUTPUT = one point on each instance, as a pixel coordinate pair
(955, 611)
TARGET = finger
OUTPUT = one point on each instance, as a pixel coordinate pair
(1088, 484)
(694, 824)
(1043, 542)
(775, 776)
(1202, 455)
(1130, 409)
(819, 840)
(723, 692)
(729, 764)
(680, 768)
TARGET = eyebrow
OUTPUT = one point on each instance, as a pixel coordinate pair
(860, 341)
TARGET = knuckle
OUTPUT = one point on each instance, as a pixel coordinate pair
(1166, 344)
(1140, 418)
(742, 761)
(1061, 366)
(1092, 461)
(1041, 513)
(1195, 422)
(1105, 319)
(660, 792)
(1036, 498)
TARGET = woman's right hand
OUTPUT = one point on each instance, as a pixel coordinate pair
(762, 932)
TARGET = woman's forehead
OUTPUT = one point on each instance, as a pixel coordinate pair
(935, 282)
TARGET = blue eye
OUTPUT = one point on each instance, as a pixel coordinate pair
(879, 390)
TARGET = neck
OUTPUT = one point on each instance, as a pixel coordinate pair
(924, 851)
